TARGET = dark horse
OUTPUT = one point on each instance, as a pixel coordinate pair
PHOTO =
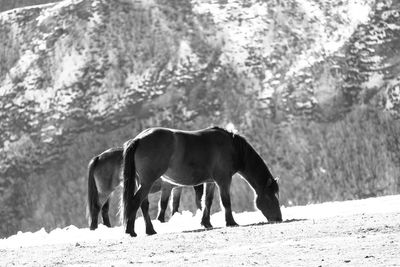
(103, 178)
(193, 158)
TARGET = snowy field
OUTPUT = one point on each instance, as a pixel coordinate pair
(187, 222)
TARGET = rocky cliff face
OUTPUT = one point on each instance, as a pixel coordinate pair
(79, 76)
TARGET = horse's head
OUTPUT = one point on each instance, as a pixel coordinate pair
(268, 201)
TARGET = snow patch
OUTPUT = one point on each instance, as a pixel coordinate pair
(54, 9)
(70, 67)
(358, 12)
(354, 13)
(374, 81)
(240, 33)
(23, 65)
(311, 9)
(186, 221)
(186, 54)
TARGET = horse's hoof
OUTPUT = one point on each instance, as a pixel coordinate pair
(207, 225)
(93, 226)
(151, 232)
(232, 224)
(162, 220)
(133, 234)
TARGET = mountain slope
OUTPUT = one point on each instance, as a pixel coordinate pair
(77, 77)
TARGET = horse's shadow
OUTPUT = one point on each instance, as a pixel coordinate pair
(245, 225)
(201, 230)
(264, 223)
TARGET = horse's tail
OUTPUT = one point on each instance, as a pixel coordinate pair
(129, 175)
(93, 195)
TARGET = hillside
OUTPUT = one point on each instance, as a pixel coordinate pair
(313, 85)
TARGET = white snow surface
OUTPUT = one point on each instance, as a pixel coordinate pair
(186, 222)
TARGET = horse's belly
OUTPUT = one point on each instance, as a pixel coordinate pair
(187, 177)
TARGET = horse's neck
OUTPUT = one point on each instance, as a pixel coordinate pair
(254, 170)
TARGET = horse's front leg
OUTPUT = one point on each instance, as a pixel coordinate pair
(199, 189)
(224, 187)
(205, 221)
(176, 199)
(166, 189)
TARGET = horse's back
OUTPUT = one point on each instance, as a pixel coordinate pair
(203, 146)
(185, 157)
(176, 143)
(107, 171)
(209, 149)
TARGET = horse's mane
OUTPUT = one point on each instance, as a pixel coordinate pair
(221, 129)
(239, 142)
(246, 152)
(243, 148)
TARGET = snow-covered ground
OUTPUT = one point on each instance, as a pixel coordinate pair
(187, 222)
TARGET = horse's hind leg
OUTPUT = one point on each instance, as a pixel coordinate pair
(205, 221)
(145, 210)
(199, 189)
(95, 210)
(133, 206)
(166, 189)
(104, 213)
(101, 204)
(224, 186)
(176, 199)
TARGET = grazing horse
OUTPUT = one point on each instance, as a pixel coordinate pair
(103, 178)
(192, 158)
